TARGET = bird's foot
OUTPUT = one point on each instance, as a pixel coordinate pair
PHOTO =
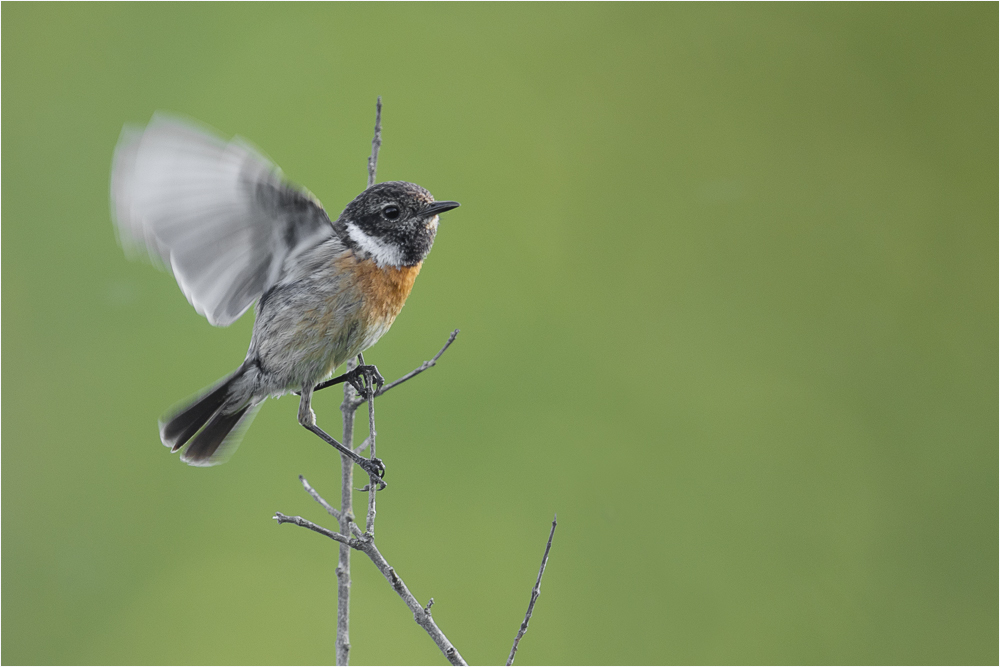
(365, 379)
(375, 469)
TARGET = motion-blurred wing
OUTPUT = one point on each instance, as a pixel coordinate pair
(217, 214)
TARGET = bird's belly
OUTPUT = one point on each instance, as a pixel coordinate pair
(305, 330)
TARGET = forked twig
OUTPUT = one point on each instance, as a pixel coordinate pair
(535, 592)
(366, 545)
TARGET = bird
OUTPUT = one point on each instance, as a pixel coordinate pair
(221, 217)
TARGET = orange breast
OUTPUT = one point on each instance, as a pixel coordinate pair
(384, 289)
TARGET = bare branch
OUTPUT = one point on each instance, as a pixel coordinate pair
(340, 379)
(331, 510)
(366, 545)
(299, 521)
(376, 143)
(535, 592)
(370, 519)
(347, 527)
(363, 446)
(420, 615)
(415, 372)
(347, 524)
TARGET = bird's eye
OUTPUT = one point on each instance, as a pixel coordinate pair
(391, 212)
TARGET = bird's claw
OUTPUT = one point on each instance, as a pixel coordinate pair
(374, 377)
(364, 379)
(374, 467)
(376, 471)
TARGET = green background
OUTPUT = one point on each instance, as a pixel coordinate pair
(727, 283)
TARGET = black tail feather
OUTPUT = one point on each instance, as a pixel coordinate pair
(204, 445)
(181, 427)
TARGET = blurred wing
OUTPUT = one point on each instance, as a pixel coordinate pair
(217, 214)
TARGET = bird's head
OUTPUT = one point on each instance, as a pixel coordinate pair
(394, 222)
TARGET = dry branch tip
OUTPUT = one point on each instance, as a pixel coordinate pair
(535, 592)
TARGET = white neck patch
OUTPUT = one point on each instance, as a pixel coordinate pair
(383, 253)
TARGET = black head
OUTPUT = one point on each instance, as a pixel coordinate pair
(394, 222)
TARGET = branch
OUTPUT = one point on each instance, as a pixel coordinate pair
(366, 544)
(412, 374)
(376, 143)
(421, 615)
(370, 519)
(333, 511)
(299, 521)
(346, 519)
(347, 527)
(363, 446)
(535, 592)
(341, 379)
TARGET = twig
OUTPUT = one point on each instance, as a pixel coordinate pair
(370, 519)
(299, 521)
(331, 510)
(412, 374)
(535, 592)
(366, 545)
(356, 531)
(363, 446)
(421, 616)
(340, 379)
(347, 527)
(376, 143)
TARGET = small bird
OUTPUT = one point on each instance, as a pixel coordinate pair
(220, 216)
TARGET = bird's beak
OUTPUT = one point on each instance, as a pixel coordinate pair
(440, 207)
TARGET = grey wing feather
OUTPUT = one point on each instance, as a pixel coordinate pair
(216, 213)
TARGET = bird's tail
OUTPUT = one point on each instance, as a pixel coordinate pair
(211, 425)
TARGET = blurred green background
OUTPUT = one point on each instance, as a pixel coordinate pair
(726, 277)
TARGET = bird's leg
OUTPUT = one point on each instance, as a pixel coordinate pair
(354, 376)
(374, 467)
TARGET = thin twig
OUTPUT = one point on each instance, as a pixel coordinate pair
(422, 617)
(366, 545)
(363, 446)
(347, 527)
(415, 372)
(376, 143)
(340, 379)
(370, 519)
(305, 523)
(535, 592)
(331, 510)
